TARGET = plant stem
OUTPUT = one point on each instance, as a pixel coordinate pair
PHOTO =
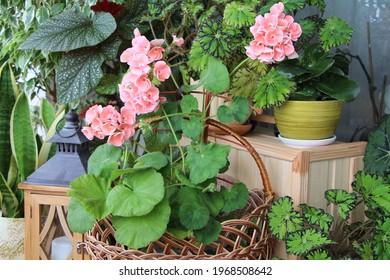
(238, 67)
(176, 140)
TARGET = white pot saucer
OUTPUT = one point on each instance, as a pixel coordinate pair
(307, 143)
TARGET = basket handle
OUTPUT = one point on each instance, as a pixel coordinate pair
(260, 164)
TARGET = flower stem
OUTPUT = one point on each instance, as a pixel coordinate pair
(241, 64)
(175, 137)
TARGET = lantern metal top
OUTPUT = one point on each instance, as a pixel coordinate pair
(70, 160)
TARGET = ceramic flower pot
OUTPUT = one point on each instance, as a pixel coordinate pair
(308, 120)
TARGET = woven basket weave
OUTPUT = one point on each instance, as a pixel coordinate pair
(247, 237)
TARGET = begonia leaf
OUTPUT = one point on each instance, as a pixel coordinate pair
(283, 219)
(344, 201)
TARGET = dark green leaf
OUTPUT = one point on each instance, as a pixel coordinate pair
(23, 142)
(71, 30)
(193, 215)
(319, 254)
(78, 73)
(210, 232)
(225, 114)
(382, 239)
(235, 198)
(108, 85)
(377, 156)
(339, 87)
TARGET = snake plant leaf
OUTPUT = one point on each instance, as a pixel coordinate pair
(210, 232)
(318, 254)
(71, 30)
(272, 89)
(8, 199)
(91, 191)
(192, 127)
(382, 239)
(344, 201)
(377, 155)
(239, 15)
(338, 87)
(300, 242)
(374, 190)
(47, 113)
(78, 73)
(45, 150)
(104, 160)
(204, 161)
(23, 143)
(7, 101)
(335, 32)
(78, 219)
(235, 198)
(283, 219)
(138, 231)
(317, 217)
(156, 160)
(137, 195)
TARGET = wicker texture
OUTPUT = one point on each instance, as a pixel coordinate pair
(245, 238)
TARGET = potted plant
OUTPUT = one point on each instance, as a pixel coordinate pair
(311, 233)
(317, 74)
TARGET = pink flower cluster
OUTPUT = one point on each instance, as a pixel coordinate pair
(274, 34)
(136, 90)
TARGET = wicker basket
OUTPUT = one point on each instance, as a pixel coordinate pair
(246, 238)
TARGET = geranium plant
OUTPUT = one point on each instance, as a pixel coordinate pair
(168, 187)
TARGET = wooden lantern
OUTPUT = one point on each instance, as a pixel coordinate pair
(45, 201)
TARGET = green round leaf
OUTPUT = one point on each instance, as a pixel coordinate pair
(79, 220)
(193, 215)
(210, 232)
(137, 232)
(104, 160)
(235, 198)
(138, 195)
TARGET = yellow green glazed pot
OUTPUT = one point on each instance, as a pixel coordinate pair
(308, 120)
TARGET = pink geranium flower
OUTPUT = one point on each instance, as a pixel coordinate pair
(273, 35)
(156, 53)
(162, 71)
(178, 41)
